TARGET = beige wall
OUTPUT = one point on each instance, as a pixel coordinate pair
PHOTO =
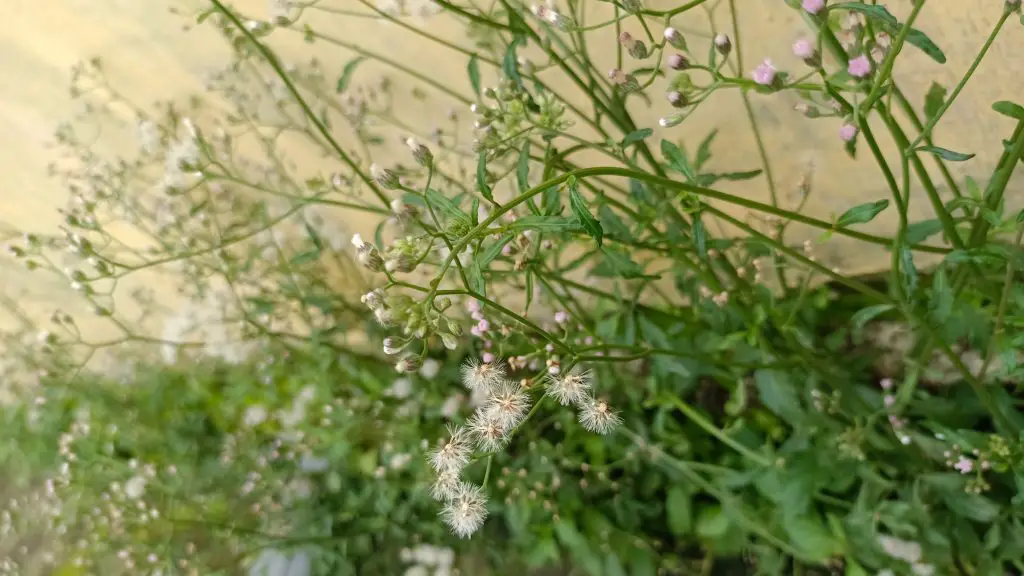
(147, 57)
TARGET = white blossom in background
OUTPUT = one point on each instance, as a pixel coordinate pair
(135, 487)
(273, 562)
(431, 367)
(254, 415)
(149, 137)
(428, 560)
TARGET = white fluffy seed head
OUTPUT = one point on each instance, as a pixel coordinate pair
(446, 485)
(508, 404)
(482, 376)
(597, 416)
(452, 454)
(488, 432)
(571, 388)
(466, 512)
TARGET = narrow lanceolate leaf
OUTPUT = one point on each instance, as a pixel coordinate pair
(1010, 109)
(582, 212)
(861, 213)
(346, 74)
(544, 224)
(492, 251)
(945, 154)
(925, 44)
(636, 136)
(481, 177)
(523, 168)
(474, 74)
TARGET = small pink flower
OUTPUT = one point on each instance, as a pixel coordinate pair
(814, 6)
(848, 132)
(964, 465)
(561, 317)
(487, 357)
(764, 74)
(803, 48)
(889, 400)
(859, 67)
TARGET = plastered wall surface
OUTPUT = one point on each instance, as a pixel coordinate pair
(148, 56)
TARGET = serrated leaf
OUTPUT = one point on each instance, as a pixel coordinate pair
(473, 69)
(933, 100)
(614, 226)
(346, 74)
(481, 177)
(1007, 108)
(523, 168)
(704, 150)
(945, 154)
(920, 231)
(636, 136)
(677, 160)
(582, 212)
(862, 213)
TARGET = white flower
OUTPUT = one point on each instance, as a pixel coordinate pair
(597, 416)
(478, 375)
(452, 454)
(572, 388)
(254, 415)
(430, 368)
(508, 404)
(312, 464)
(489, 432)
(398, 461)
(400, 388)
(909, 552)
(466, 513)
(135, 488)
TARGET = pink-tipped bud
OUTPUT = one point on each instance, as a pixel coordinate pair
(678, 62)
(675, 38)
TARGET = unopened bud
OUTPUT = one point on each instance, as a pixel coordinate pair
(385, 178)
(410, 363)
(675, 38)
(723, 44)
(423, 156)
(678, 62)
(394, 345)
(450, 342)
(676, 99)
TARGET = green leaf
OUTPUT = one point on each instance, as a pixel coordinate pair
(700, 237)
(925, 44)
(879, 13)
(941, 297)
(473, 69)
(510, 63)
(636, 136)
(545, 224)
(677, 160)
(945, 154)
(305, 257)
(523, 168)
(909, 270)
(709, 179)
(704, 150)
(577, 545)
(492, 251)
(582, 212)
(933, 100)
(861, 213)
(446, 205)
(614, 226)
(346, 74)
(810, 536)
(615, 263)
(475, 276)
(1006, 108)
(678, 507)
(481, 177)
(950, 487)
(865, 315)
(920, 231)
(779, 395)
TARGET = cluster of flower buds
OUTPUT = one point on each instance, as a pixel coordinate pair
(625, 82)
(403, 254)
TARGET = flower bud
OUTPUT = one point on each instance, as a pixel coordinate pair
(407, 364)
(678, 62)
(676, 99)
(670, 121)
(454, 327)
(450, 342)
(386, 179)
(723, 44)
(675, 38)
(423, 156)
(394, 345)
